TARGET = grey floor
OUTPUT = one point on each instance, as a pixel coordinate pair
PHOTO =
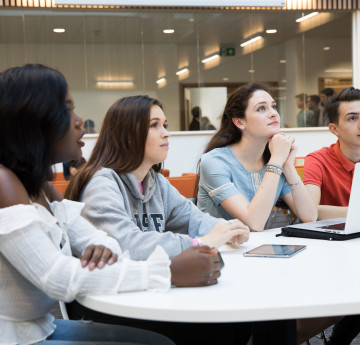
(317, 341)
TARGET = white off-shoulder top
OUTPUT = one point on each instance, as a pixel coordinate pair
(37, 267)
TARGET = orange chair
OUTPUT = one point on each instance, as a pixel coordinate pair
(59, 177)
(165, 172)
(299, 165)
(60, 186)
(184, 184)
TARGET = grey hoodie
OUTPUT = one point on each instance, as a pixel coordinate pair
(162, 216)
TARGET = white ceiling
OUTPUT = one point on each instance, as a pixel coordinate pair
(211, 28)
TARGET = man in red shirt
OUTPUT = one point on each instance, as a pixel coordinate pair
(328, 175)
(328, 172)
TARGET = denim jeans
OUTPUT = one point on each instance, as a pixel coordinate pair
(87, 332)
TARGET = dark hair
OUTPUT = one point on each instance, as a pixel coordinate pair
(315, 99)
(328, 91)
(228, 133)
(301, 96)
(196, 112)
(33, 117)
(332, 108)
(77, 163)
(89, 124)
(121, 142)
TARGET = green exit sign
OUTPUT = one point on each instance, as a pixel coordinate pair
(227, 51)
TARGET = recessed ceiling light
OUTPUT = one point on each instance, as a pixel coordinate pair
(271, 31)
(251, 71)
(59, 30)
(225, 79)
(283, 61)
(308, 16)
(191, 20)
(326, 48)
(168, 31)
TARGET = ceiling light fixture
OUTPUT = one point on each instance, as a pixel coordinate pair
(161, 80)
(182, 71)
(210, 58)
(115, 83)
(326, 48)
(168, 31)
(338, 70)
(252, 40)
(308, 16)
(271, 31)
(59, 30)
(283, 61)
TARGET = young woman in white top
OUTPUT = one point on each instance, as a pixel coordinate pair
(39, 231)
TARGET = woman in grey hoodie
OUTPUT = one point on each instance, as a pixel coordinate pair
(126, 196)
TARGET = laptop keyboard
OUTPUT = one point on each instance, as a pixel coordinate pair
(339, 226)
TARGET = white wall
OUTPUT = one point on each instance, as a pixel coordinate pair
(187, 147)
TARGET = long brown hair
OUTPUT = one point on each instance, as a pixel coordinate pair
(121, 142)
(228, 133)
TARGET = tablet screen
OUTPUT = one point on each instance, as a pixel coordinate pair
(275, 250)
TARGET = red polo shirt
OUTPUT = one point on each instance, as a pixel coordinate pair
(329, 169)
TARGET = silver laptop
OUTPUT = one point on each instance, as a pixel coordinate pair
(342, 226)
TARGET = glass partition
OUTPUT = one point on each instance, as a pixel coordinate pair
(196, 63)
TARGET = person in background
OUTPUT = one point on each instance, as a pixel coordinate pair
(66, 171)
(305, 117)
(206, 125)
(325, 97)
(89, 126)
(75, 165)
(328, 175)
(71, 168)
(195, 123)
(40, 232)
(313, 103)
